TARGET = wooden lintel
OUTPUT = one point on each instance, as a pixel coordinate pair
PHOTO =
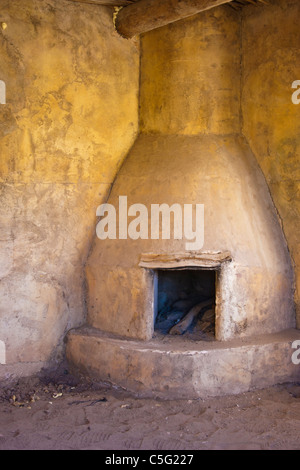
(186, 260)
(146, 15)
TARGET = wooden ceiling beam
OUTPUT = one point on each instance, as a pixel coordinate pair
(116, 3)
(146, 15)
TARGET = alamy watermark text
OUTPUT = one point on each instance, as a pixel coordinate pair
(188, 222)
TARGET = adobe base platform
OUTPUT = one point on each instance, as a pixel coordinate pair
(175, 368)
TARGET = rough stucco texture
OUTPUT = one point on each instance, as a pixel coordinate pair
(190, 75)
(271, 49)
(70, 118)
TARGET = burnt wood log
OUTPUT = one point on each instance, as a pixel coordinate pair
(207, 320)
(146, 15)
(184, 324)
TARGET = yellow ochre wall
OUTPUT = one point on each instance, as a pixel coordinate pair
(190, 75)
(70, 118)
(271, 122)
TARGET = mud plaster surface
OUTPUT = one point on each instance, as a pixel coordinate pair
(64, 413)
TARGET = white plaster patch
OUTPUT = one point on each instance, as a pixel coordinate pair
(2, 353)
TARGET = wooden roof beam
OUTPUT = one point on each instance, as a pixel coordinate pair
(146, 15)
(116, 3)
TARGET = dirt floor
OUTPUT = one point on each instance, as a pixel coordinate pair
(61, 412)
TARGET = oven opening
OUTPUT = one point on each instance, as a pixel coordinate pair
(185, 303)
